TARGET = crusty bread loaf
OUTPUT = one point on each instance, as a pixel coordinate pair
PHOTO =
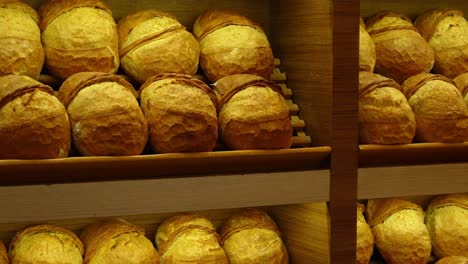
(105, 117)
(462, 83)
(366, 49)
(453, 260)
(153, 42)
(3, 254)
(33, 122)
(254, 114)
(250, 236)
(385, 117)
(231, 44)
(79, 36)
(365, 238)
(181, 112)
(46, 244)
(189, 238)
(440, 111)
(401, 51)
(20, 39)
(117, 242)
(399, 230)
(446, 30)
(447, 221)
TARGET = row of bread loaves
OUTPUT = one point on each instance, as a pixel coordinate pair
(101, 113)
(82, 36)
(247, 237)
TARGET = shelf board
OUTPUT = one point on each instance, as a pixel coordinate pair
(39, 203)
(382, 182)
(79, 169)
(418, 153)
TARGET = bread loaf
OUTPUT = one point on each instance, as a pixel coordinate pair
(117, 242)
(3, 254)
(181, 113)
(385, 117)
(399, 230)
(401, 51)
(447, 221)
(254, 114)
(453, 260)
(446, 30)
(46, 244)
(20, 39)
(33, 122)
(189, 238)
(231, 44)
(365, 238)
(252, 237)
(441, 114)
(106, 119)
(153, 42)
(366, 49)
(79, 36)
(462, 82)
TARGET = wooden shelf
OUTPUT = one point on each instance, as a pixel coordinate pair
(419, 153)
(39, 203)
(381, 182)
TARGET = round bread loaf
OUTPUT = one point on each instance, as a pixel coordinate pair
(365, 238)
(33, 122)
(440, 111)
(366, 49)
(46, 244)
(385, 117)
(231, 44)
(153, 42)
(105, 117)
(254, 114)
(3, 254)
(78, 36)
(251, 237)
(399, 230)
(447, 221)
(189, 238)
(453, 260)
(446, 30)
(117, 242)
(462, 83)
(20, 39)
(181, 113)
(401, 51)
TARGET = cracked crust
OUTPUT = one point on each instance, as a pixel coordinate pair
(365, 238)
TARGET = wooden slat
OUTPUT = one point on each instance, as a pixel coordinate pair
(419, 153)
(344, 161)
(411, 8)
(412, 180)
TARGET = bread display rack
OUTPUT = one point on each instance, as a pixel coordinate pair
(316, 43)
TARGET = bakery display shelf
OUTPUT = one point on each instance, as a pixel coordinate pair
(417, 153)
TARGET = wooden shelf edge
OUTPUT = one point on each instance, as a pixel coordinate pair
(38, 203)
(81, 169)
(418, 153)
(400, 181)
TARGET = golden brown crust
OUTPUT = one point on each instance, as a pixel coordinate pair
(189, 238)
(446, 30)
(441, 114)
(251, 236)
(462, 83)
(102, 241)
(105, 116)
(367, 55)
(378, 210)
(408, 56)
(446, 219)
(69, 248)
(33, 122)
(365, 238)
(453, 260)
(3, 254)
(51, 9)
(19, 5)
